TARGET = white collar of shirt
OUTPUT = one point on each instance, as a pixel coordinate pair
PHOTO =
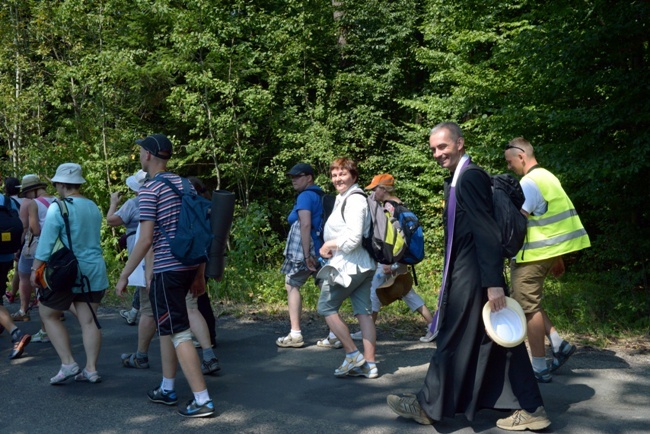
(464, 158)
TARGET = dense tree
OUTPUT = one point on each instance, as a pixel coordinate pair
(248, 88)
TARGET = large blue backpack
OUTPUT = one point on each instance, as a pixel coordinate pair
(191, 244)
(413, 234)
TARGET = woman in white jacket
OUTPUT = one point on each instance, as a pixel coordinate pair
(354, 269)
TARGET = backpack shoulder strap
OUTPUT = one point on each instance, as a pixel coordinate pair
(16, 203)
(346, 199)
(43, 201)
(171, 185)
(63, 209)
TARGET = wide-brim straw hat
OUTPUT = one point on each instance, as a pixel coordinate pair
(30, 182)
(402, 284)
(506, 327)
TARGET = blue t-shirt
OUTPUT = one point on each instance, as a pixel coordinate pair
(310, 200)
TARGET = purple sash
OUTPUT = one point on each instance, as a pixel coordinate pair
(451, 218)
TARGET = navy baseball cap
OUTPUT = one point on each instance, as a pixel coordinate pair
(301, 169)
(158, 144)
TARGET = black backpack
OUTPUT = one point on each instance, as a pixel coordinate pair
(507, 200)
(11, 228)
(61, 272)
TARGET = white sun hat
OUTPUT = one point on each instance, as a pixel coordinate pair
(506, 327)
(136, 180)
(333, 276)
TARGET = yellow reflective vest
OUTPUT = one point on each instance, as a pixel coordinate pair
(559, 230)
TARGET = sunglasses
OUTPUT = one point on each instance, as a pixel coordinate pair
(509, 146)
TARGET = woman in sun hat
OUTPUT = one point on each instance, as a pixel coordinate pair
(129, 216)
(30, 188)
(85, 223)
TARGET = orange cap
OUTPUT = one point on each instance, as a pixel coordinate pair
(383, 179)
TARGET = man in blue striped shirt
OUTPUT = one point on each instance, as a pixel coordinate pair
(171, 280)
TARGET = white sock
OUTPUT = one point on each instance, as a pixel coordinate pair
(201, 397)
(331, 335)
(556, 341)
(353, 353)
(539, 364)
(167, 384)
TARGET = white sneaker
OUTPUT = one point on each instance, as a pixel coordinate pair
(41, 336)
(357, 336)
(429, 337)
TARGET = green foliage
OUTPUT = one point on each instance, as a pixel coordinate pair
(246, 89)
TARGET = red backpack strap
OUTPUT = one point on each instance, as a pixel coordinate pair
(43, 201)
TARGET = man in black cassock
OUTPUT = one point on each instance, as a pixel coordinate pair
(468, 371)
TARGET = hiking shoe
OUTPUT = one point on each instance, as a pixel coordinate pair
(543, 376)
(192, 409)
(41, 336)
(329, 343)
(521, 420)
(364, 371)
(358, 336)
(131, 361)
(128, 317)
(560, 358)
(19, 346)
(290, 342)
(159, 396)
(349, 363)
(210, 366)
(20, 316)
(64, 373)
(408, 407)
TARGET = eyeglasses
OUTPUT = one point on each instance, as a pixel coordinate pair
(509, 146)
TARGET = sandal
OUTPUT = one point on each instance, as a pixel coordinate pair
(131, 361)
(329, 343)
(64, 374)
(350, 363)
(91, 377)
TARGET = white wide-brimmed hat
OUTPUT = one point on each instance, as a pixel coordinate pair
(136, 180)
(68, 173)
(506, 327)
(333, 276)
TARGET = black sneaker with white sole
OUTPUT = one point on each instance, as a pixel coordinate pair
(192, 409)
(159, 396)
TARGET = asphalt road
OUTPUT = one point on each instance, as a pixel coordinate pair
(265, 389)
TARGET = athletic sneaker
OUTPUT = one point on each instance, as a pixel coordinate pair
(429, 337)
(131, 361)
(159, 396)
(521, 420)
(408, 407)
(192, 409)
(358, 336)
(210, 366)
(41, 336)
(128, 316)
(560, 358)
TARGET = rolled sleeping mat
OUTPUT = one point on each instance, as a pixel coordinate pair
(223, 208)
